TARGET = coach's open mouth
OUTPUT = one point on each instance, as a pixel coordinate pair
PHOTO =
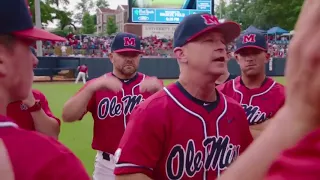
(220, 59)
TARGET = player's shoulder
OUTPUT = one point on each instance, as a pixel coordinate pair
(44, 155)
(231, 103)
(32, 141)
(278, 87)
(226, 86)
(157, 101)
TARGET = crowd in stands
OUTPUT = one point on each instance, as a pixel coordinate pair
(99, 46)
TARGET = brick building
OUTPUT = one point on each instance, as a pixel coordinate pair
(120, 14)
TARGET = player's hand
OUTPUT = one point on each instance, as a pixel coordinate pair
(150, 84)
(30, 100)
(110, 82)
(303, 66)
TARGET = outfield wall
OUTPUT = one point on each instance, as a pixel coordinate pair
(164, 68)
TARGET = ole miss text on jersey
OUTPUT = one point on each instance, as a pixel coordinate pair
(172, 135)
(260, 104)
(110, 112)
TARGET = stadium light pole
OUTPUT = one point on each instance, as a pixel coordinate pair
(38, 24)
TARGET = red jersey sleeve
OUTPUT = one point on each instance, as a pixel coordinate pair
(300, 162)
(66, 167)
(141, 145)
(46, 108)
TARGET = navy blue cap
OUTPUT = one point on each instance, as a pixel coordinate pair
(16, 20)
(251, 40)
(194, 25)
(126, 42)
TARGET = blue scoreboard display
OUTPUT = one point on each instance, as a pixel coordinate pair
(167, 11)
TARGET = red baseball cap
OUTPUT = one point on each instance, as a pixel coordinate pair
(16, 21)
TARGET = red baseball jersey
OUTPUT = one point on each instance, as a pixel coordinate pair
(37, 157)
(83, 68)
(301, 162)
(173, 135)
(110, 112)
(18, 111)
(259, 104)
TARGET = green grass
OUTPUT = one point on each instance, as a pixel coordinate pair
(77, 136)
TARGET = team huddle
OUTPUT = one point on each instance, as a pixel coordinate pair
(194, 128)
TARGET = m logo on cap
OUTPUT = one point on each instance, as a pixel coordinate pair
(210, 19)
(249, 38)
(129, 41)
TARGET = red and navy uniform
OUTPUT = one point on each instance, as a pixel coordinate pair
(110, 112)
(173, 135)
(260, 104)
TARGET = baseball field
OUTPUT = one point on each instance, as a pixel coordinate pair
(77, 136)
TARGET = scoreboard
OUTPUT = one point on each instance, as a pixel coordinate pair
(167, 11)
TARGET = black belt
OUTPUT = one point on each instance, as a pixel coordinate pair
(106, 156)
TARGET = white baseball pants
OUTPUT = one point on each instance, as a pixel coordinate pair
(81, 75)
(103, 169)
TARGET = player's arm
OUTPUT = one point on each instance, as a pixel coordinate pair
(44, 121)
(246, 136)
(78, 105)
(279, 135)
(257, 129)
(141, 145)
(66, 166)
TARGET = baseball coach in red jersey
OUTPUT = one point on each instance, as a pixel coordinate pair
(110, 99)
(26, 155)
(188, 130)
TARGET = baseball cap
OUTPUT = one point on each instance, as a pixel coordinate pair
(194, 25)
(251, 40)
(16, 21)
(126, 42)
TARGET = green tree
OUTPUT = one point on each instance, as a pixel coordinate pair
(88, 26)
(48, 12)
(264, 14)
(82, 7)
(58, 2)
(221, 9)
(111, 26)
(102, 3)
